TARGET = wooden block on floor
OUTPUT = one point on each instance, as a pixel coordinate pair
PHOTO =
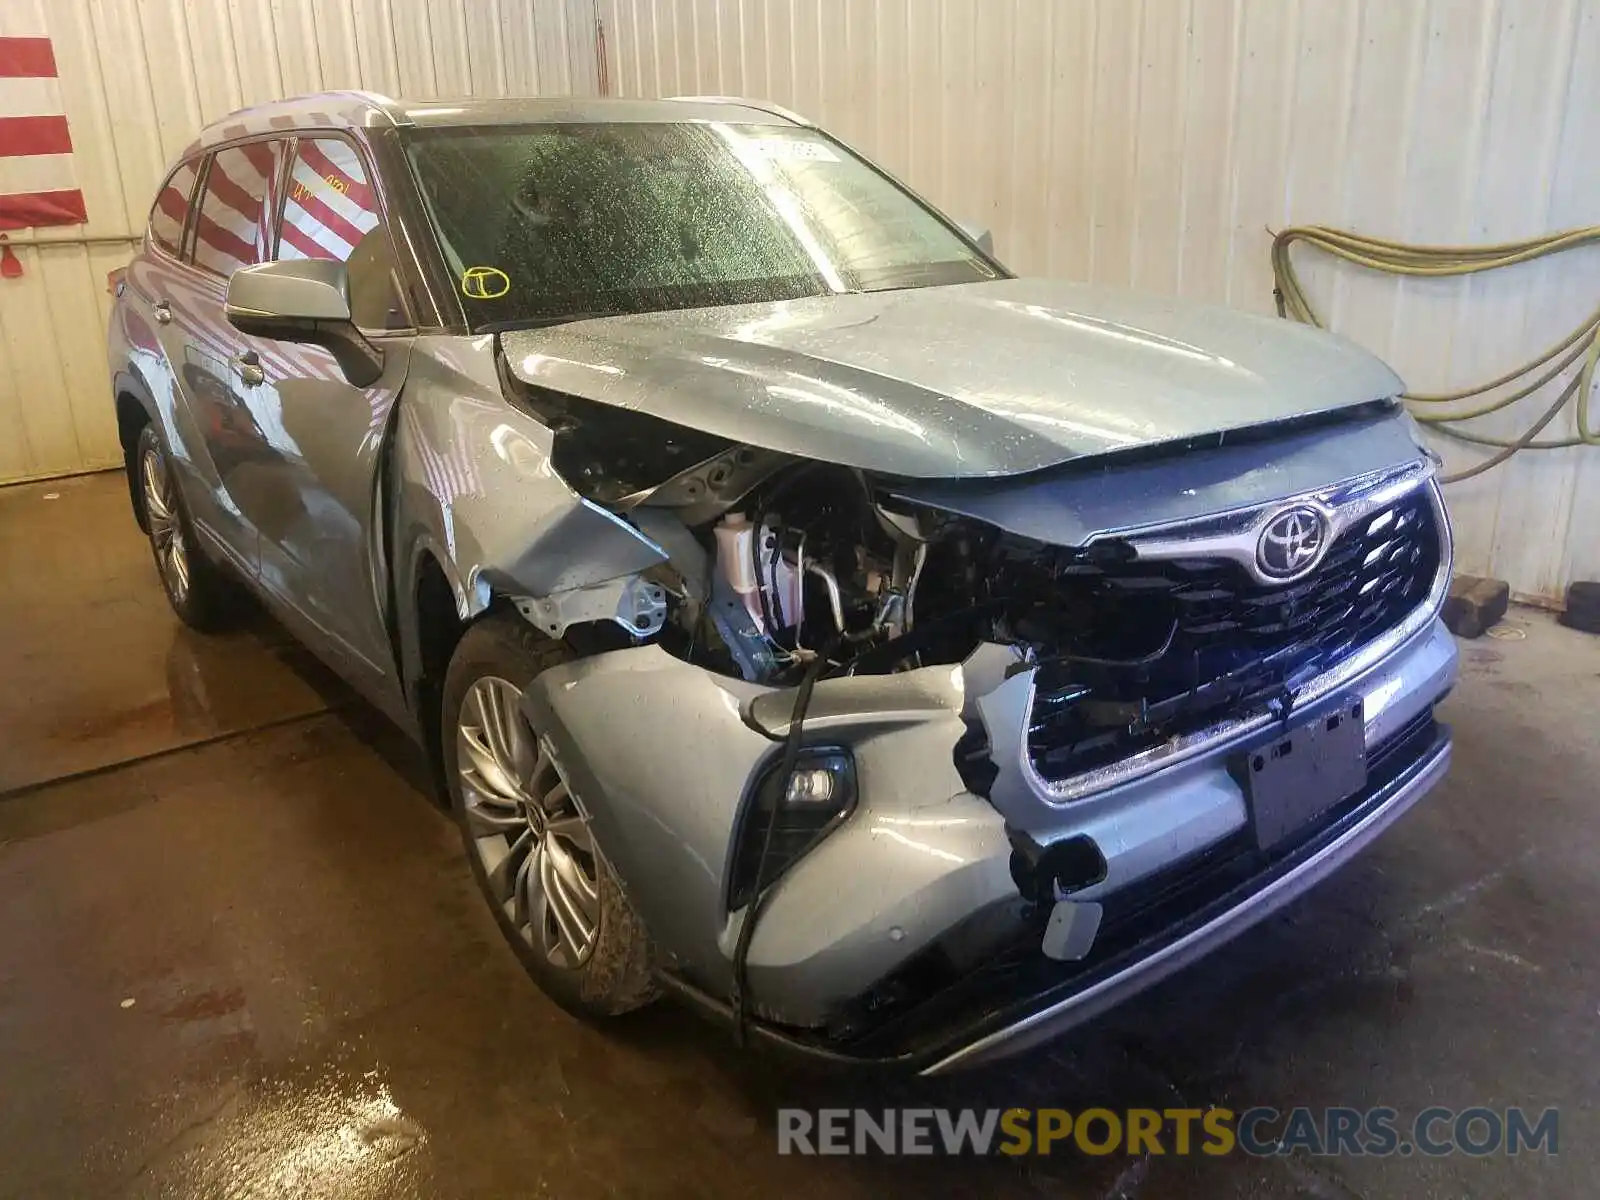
(1474, 604)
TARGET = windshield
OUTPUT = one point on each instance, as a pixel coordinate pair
(554, 222)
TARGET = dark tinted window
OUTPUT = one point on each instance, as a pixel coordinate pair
(331, 212)
(235, 222)
(538, 223)
(171, 208)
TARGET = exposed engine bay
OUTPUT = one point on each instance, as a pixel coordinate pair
(776, 562)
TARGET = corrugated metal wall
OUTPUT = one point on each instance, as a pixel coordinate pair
(139, 77)
(1142, 142)
(1153, 143)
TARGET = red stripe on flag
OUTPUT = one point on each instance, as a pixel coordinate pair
(226, 244)
(23, 210)
(226, 189)
(174, 203)
(26, 58)
(313, 155)
(34, 135)
(319, 213)
(292, 235)
(261, 156)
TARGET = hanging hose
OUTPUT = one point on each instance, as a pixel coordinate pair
(1397, 258)
(739, 996)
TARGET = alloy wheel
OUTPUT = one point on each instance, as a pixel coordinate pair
(530, 836)
(166, 530)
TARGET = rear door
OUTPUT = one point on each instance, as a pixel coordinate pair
(320, 548)
(165, 315)
(225, 455)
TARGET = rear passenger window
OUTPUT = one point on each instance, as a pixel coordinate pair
(235, 226)
(171, 210)
(331, 212)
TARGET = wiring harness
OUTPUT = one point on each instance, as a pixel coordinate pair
(1398, 258)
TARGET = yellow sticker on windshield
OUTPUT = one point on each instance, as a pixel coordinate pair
(484, 283)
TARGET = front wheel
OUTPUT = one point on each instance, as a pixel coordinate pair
(554, 896)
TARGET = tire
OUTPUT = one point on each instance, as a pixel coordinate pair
(542, 875)
(200, 594)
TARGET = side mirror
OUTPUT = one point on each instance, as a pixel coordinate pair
(984, 237)
(303, 300)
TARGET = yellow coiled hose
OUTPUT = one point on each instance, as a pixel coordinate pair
(1397, 258)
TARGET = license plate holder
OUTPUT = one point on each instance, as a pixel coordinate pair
(1304, 771)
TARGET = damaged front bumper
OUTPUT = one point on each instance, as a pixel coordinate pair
(904, 936)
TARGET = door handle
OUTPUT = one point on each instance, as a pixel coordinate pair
(163, 312)
(248, 367)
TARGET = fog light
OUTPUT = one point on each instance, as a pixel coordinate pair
(810, 785)
(816, 798)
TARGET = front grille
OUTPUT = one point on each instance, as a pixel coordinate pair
(1227, 643)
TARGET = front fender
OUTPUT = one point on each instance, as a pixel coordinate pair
(474, 488)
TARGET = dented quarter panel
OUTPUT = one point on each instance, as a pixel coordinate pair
(963, 381)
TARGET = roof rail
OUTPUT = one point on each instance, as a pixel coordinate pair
(765, 106)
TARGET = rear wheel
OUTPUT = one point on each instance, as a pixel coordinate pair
(532, 851)
(196, 588)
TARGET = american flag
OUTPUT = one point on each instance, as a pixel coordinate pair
(234, 225)
(37, 184)
(329, 208)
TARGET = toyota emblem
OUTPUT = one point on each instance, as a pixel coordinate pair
(1292, 543)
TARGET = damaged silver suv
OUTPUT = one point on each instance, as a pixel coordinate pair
(902, 660)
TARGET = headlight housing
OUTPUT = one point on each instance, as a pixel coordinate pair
(819, 795)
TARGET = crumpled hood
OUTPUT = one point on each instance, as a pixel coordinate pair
(972, 380)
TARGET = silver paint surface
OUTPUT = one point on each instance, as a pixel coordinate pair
(919, 853)
(362, 112)
(971, 380)
(1074, 504)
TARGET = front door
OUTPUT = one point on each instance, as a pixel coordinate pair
(320, 525)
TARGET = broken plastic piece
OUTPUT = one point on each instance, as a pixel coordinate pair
(1070, 933)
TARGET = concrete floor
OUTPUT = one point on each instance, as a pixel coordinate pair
(241, 953)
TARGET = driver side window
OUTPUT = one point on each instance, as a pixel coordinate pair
(331, 212)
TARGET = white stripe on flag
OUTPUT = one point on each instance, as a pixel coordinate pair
(338, 249)
(363, 219)
(23, 18)
(224, 214)
(240, 170)
(234, 222)
(30, 98)
(36, 173)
